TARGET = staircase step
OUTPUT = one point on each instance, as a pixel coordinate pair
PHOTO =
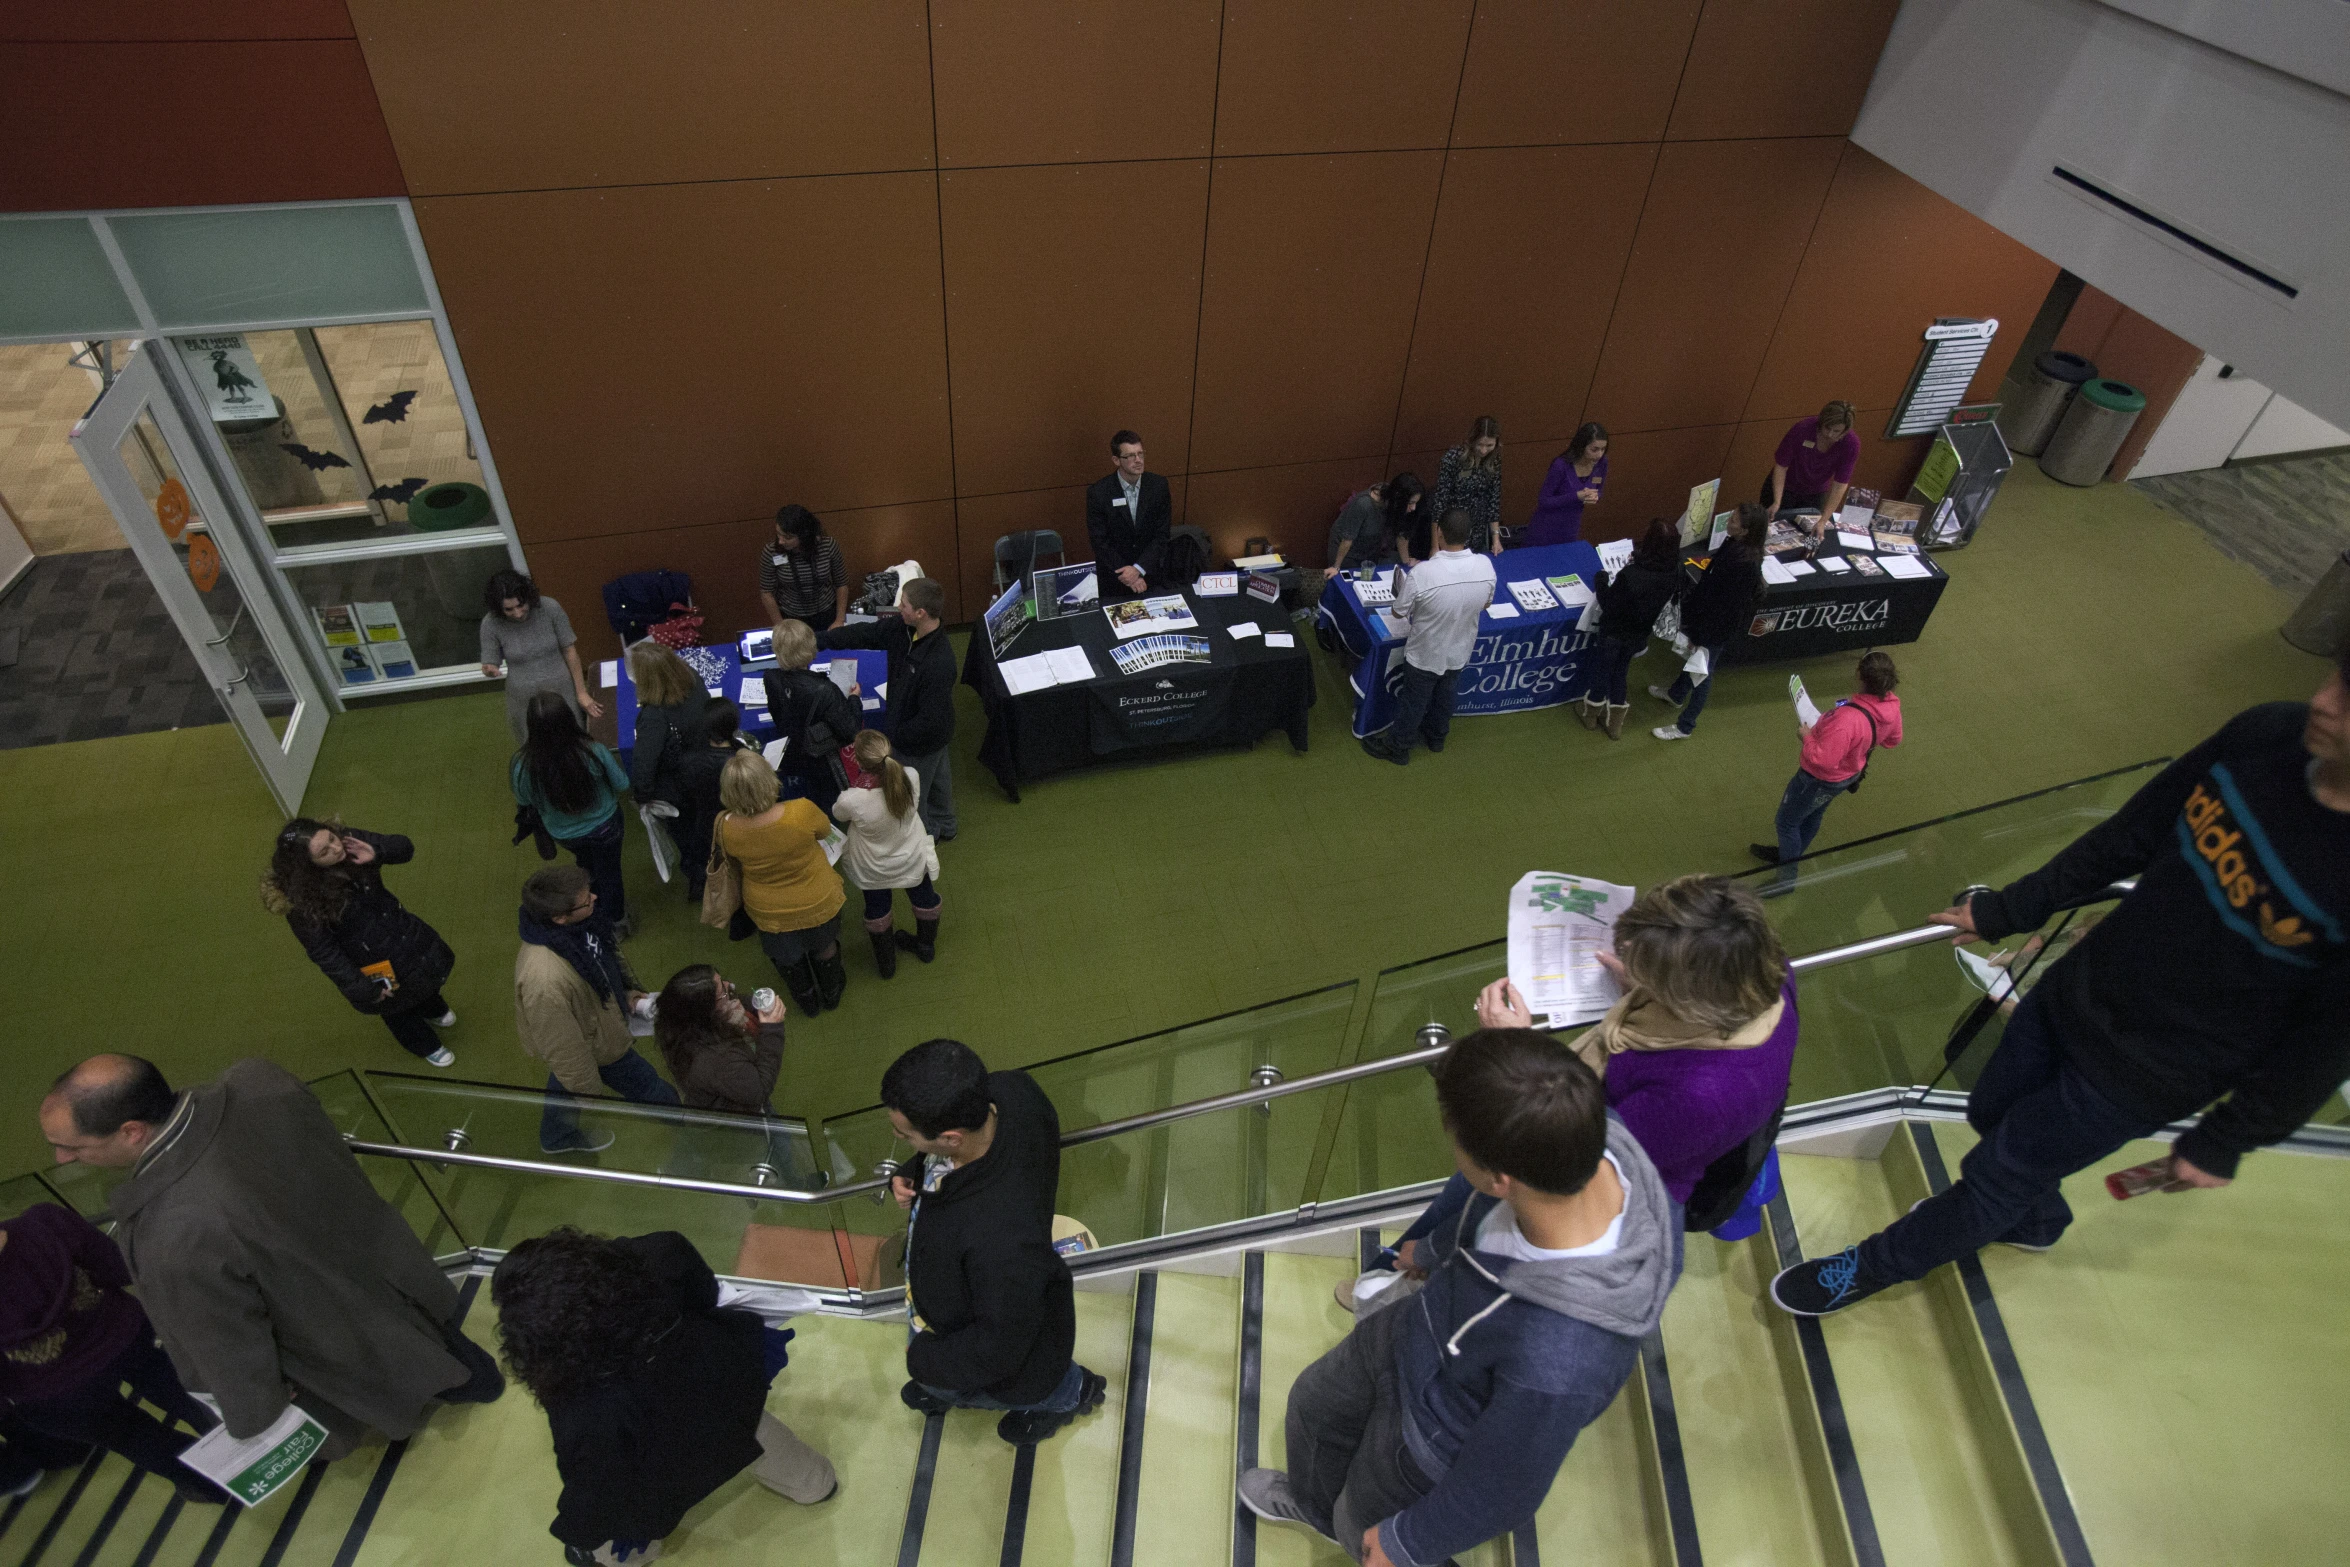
(1945, 1480)
(1185, 1495)
(2183, 1352)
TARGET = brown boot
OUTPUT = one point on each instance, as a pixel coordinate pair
(1615, 719)
(1587, 712)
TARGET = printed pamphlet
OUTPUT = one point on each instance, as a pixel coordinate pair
(253, 1470)
(1559, 924)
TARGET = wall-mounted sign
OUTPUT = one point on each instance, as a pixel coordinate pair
(171, 509)
(1954, 349)
(224, 367)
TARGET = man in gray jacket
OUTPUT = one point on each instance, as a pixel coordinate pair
(1442, 1418)
(272, 1270)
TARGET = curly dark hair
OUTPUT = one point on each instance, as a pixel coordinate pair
(297, 884)
(576, 1309)
(506, 585)
(687, 1022)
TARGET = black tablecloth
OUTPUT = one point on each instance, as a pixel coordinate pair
(1827, 613)
(1245, 692)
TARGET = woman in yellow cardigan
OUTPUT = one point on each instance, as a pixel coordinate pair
(790, 890)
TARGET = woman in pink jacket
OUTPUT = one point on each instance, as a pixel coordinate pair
(1835, 754)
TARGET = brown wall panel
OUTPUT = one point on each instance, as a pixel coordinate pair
(492, 98)
(984, 519)
(1073, 81)
(1072, 312)
(164, 21)
(1292, 505)
(723, 560)
(1649, 473)
(1548, 71)
(2085, 325)
(1887, 257)
(705, 352)
(1522, 273)
(1780, 67)
(1313, 268)
(306, 125)
(1338, 75)
(1719, 243)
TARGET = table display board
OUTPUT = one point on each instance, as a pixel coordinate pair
(1528, 653)
(1075, 693)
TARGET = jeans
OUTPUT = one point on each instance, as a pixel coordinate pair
(1347, 1464)
(1692, 693)
(631, 1077)
(2039, 1121)
(923, 896)
(598, 853)
(1423, 707)
(1059, 1401)
(1798, 822)
(937, 804)
(97, 1413)
(1611, 669)
(412, 1026)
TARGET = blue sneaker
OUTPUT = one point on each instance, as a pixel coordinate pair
(1824, 1284)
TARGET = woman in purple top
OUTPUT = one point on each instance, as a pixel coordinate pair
(1696, 1055)
(1577, 476)
(1813, 465)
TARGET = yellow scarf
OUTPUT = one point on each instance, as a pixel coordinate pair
(1641, 1022)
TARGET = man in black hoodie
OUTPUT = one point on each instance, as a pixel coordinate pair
(994, 1320)
(921, 692)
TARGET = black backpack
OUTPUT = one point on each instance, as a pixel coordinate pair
(1723, 1186)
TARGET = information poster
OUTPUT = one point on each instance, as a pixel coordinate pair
(1700, 515)
(228, 376)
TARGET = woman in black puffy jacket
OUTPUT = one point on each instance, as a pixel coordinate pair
(327, 880)
(1629, 603)
(1716, 610)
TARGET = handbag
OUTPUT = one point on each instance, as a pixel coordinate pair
(682, 629)
(722, 885)
(1668, 620)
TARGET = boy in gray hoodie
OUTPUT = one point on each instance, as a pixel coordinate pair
(1441, 1420)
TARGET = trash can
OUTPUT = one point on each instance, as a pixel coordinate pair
(457, 576)
(2048, 387)
(2092, 430)
(2322, 624)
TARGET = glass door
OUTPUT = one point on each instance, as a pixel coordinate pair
(148, 464)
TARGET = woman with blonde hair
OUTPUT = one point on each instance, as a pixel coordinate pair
(889, 848)
(812, 716)
(1469, 476)
(1696, 1055)
(670, 699)
(790, 891)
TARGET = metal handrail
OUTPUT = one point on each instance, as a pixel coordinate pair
(1436, 1041)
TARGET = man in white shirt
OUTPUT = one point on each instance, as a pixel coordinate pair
(1441, 599)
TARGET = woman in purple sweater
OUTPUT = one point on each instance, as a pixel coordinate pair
(1696, 1055)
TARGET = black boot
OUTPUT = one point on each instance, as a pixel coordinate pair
(885, 951)
(924, 942)
(800, 980)
(832, 978)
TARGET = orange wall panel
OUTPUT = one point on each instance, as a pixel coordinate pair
(1719, 243)
(1313, 273)
(165, 21)
(1541, 72)
(306, 125)
(1072, 312)
(609, 92)
(1887, 257)
(1649, 473)
(1780, 67)
(703, 352)
(1338, 75)
(1293, 505)
(1073, 81)
(2092, 316)
(1529, 247)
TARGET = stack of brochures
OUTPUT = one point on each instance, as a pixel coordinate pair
(1532, 595)
(1153, 651)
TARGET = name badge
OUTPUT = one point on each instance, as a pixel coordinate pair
(1120, 501)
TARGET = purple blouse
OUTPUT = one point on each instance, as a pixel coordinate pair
(1690, 1107)
(1558, 512)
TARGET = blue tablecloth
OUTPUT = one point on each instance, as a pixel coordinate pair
(872, 675)
(1534, 659)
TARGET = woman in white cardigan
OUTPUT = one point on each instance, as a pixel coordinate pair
(889, 848)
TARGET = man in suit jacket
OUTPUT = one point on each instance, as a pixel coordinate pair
(1127, 515)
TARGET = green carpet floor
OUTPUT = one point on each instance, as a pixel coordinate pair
(2084, 630)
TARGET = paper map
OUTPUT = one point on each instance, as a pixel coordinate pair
(1559, 924)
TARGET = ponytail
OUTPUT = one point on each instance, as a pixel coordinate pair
(871, 749)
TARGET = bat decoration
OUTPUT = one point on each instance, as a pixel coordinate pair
(314, 461)
(392, 411)
(400, 492)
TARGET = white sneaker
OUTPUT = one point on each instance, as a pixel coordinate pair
(1664, 694)
(442, 1057)
(1670, 732)
(447, 1019)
